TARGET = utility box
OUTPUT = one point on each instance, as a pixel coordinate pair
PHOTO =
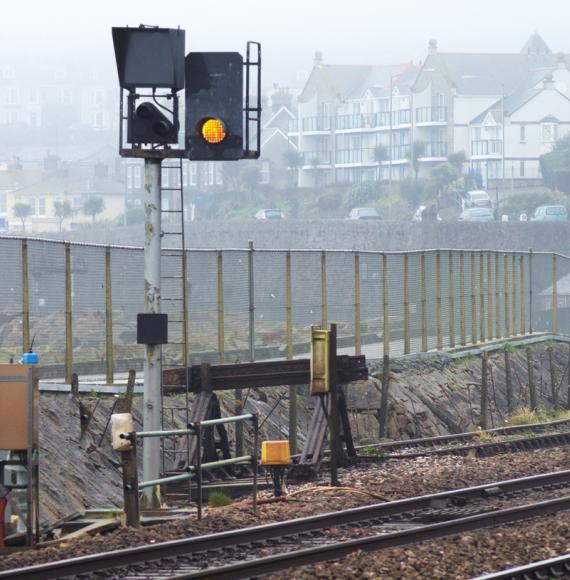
(320, 361)
(275, 453)
(19, 402)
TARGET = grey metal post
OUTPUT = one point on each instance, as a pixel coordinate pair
(152, 364)
(251, 303)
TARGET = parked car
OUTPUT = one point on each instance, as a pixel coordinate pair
(269, 214)
(476, 198)
(363, 213)
(550, 213)
(430, 215)
(476, 214)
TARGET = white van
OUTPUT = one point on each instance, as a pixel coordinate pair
(476, 198)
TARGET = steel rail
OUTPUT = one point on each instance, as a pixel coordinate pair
(174, 548)
(558, 567)
(378, 542)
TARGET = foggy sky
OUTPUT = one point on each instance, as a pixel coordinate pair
(347, 32)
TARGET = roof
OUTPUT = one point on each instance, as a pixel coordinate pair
(535, 45)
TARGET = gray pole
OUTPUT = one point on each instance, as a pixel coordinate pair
(152, 363)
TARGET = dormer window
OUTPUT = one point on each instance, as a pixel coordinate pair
(549, 132)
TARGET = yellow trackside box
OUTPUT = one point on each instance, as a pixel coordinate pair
(320, 361)
(275, 453)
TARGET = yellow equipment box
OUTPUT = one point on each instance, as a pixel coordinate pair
(275, 453)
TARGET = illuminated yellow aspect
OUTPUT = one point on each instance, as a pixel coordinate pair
(214, 131)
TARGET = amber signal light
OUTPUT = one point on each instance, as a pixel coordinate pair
(213, 130)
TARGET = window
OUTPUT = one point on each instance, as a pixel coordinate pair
(166, 178)
(521, 169)
(264, 177)
(210, 174)
(2, 203)
(219, 175)
(129, 177)
(76, 202)
(185, 175)
(549, 132)
(523, 134)
(32, 204)
(42, 206)
(193, 174)
(138, 177)
(98, 120)
(356, 108)
(33, 120)
(325, 109)
(441, 100)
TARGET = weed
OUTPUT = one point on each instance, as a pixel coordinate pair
(484, 437)
(219, 499)
(525, 416)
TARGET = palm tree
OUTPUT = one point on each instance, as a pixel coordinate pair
(93, 206)
(62, 210)
(418, 150)
(380, 155)
(315, 162)
(22, 211)
(293, 161)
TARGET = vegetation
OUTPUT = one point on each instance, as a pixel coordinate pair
(93, 206)
(219, 499)
(62, 211)
(525, 416)
(22, 211)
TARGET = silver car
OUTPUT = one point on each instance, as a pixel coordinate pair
(363, 213)
(476, 214)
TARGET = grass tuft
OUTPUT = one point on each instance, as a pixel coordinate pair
(219, 499)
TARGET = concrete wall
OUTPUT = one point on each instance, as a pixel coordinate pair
(343, 234)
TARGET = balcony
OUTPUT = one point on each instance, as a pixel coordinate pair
(293, 126)
(435, 149)
(400, 152)
(316, 124)
(316, 157)
(348, 156)
(487, 147)
(431, 115)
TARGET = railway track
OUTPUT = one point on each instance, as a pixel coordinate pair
(262, 549)
(558, 567)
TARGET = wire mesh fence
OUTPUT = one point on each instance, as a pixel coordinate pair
(79, 302)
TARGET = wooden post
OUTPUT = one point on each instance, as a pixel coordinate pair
(68, 315)
(554, 296)
(506, 294)
(334, 416)
(473, 302)
(407, 342)
(522, 295)
(25, 298)
(438, 317)
(497, 296)
(568, 382)
(324, 301)
(484, 390)
(530, 282)
(289, 331)
(423, 300)
(220, 279)
(462, 298)
(108, 319)
(357, 332)
(508, 382)
(383, 414)
(131, 485)
(553, 383)
(514, 283)
(451, 296)
(531, 385)
(489, 298)
(386, 306)
(482, 305)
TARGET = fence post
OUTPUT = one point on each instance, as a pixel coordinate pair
(109, 363)
(482, 295)
(451, 296)
(489, 298)
(289, 331)
(531, 385)
(423, 302)
(508, 382)
(357, 331)
(530, 274)
(506, 294)
(522, 295)
(386, 306)
(220, 279)
(407, 345)
(553, 382)
(462, 298)
(68, 315)
(497, 296)
(439, 328)
(250, 288)
(25, 298)
(473, 302)
(324, 304)
(484, 390)
(131, 485)
(514, 297)
(554, 296)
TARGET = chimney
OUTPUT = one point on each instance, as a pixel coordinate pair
(280, 98)
(318, 58)
(432, 46)
(548, 82)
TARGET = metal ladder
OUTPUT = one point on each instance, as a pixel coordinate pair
(174, 294)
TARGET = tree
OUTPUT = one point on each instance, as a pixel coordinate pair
(380, 155)
(555, 166)
(457, 159)
(231, 173)
(250, 177)
(62, 210)
(93, 205)
(441, 178)
(293, 160)
(22, 211)
(417, 150)
(315, 162)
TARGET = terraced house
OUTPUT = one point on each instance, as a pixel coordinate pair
(358, 123)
